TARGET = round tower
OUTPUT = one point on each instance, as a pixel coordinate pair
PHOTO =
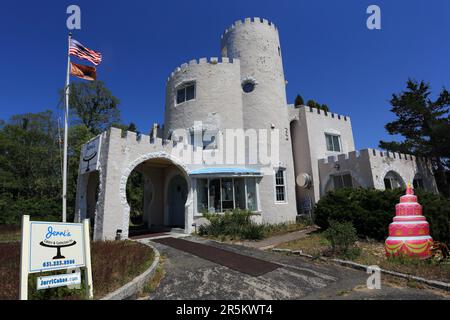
(255, 42)
(206, 90)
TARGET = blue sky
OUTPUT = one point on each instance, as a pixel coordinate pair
(329, 54)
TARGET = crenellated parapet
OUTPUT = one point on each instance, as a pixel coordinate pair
(323, 113)
(372, 153)
(202, 62)
(131, 139)
(347, 157)
(253, 20)
(397, 156)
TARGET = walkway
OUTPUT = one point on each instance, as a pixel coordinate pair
(191, 277)
(272, 242)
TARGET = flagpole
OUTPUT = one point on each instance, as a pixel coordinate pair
(66, 134)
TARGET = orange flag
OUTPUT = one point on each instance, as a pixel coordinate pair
(83, 72)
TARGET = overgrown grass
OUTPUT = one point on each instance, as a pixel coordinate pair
(238, 225)
(372, 252)
(151, 285)
(114, 263)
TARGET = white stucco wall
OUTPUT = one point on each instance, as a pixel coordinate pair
(311, 144)
(251, 51)
(369, 168)
(255, 42)
(218, 96)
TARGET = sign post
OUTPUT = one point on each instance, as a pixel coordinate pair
(24, 257)
(50, 246)
(88, 269)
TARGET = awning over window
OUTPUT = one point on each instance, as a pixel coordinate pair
(227, 171)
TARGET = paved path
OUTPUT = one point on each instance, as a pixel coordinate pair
(190, 277)
(277, 240)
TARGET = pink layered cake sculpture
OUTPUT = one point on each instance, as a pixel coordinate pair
(409, 233)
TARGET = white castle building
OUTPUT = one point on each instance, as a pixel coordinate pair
(211, 103)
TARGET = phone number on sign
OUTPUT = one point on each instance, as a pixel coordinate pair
(57, 263)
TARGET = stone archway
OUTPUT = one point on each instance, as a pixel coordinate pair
(90, 200)
(393, 180)
(151, 158)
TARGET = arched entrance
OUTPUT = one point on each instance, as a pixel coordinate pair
(92, 190)
(166, 189)
(177, 196)
(392, 180)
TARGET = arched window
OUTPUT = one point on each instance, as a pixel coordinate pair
(392, 180)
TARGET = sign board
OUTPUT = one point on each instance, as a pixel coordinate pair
(55, 246)
(58, 280)
(90, 153)
(50, 246)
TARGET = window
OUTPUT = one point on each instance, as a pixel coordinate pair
(227, 194)
(333, 142)
(186, 92)
(342, 181)
(248, 86)
(202, 195)
(280, 186)
(208, 139)
(392, 181)
(222, 194)
(239, 194)
(252, 204)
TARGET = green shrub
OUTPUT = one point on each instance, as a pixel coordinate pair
(342, 236)
(235, 224)
(371, 211)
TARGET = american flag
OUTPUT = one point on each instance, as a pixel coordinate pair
(78, 50)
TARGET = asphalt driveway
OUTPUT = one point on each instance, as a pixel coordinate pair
(190, 277)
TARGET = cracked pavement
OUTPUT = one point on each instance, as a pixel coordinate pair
(189, 277)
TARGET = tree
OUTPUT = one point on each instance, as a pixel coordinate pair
(425, 127)
(299, 101)
(324, 107)
(132, 127)
(93, 105)
(31, 154)
(311, 103)
(30, 168)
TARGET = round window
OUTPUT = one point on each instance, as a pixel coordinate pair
(248, 86)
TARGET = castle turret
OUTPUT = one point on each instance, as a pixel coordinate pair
(207, 90)
(255, 42)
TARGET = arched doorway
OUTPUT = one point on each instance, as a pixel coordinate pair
(177, 196)
(392, 180)
(161, 210)
(92, 190)
(140, 193)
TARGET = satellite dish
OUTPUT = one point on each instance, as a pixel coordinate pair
(304, 180)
